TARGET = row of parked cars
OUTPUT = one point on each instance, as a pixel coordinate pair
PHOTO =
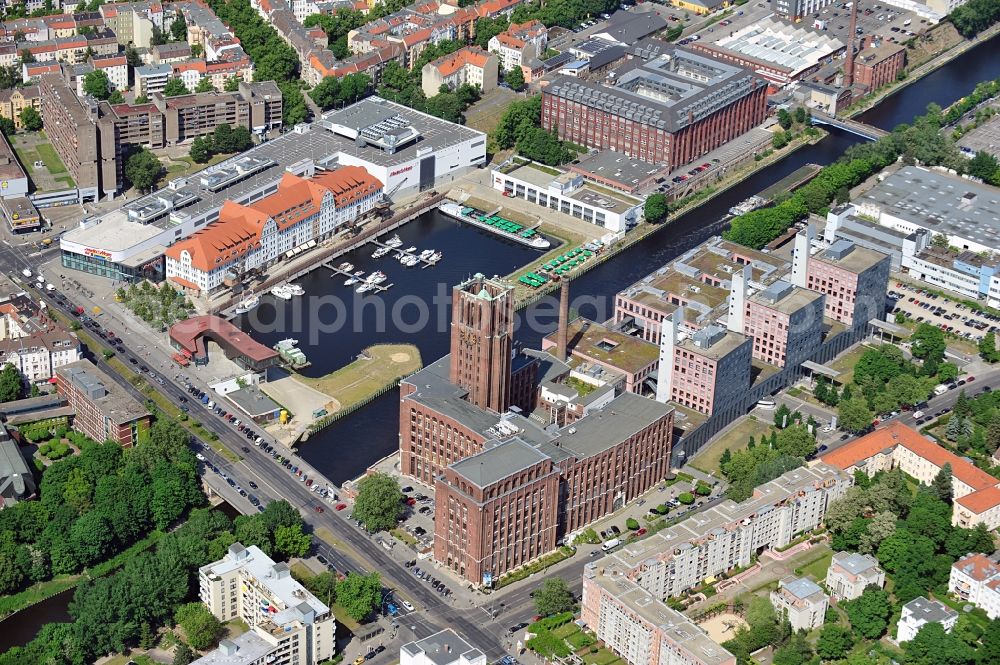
(435, 583)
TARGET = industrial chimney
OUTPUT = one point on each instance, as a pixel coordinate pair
(849, 64)
(562, 334)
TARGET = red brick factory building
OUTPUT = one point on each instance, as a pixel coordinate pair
(481, 426)
(671, 109)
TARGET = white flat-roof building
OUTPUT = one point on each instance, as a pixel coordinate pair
(293, 626)
(441, 648)
(921, 611)
(801, 601)
(850, 573)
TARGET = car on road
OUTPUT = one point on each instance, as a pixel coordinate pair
(319, 509)
(640, 532)
(517, 626)
(253, 484)
(322, 559)
(359, 660)
(340, 506)
(407, 604)
(245, 449)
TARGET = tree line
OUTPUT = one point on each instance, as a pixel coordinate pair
(520, 127)
(975, 16)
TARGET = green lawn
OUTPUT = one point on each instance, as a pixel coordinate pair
(566, 630)
(845, 364)
(27, 158)
(51, 159)
(736, 438)
(603, 656)
(816, 568)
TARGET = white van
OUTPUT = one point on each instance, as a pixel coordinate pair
(766, 403)
(609, 545)
(940, 389)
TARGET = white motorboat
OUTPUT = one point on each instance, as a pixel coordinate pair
(435, 257)
(296, 290)
(410, 261)
(426, 254)
(410, 250)
(247, 303)
(394, 241)
(376, 277)
(380, 252)
(282, 291)
(346, 267)
(363, 287)
(351, 281)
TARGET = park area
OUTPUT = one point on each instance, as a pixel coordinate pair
(41, 162)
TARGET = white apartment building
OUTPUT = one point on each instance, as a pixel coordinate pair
(33, 343)
(921, 611)
(300, 212)
(850, 573)
(638, 627)
(152, 78)
(520, 43)
(976, 579)
(441, 648)
(470, 65)
(801, 601)
(290, 625)
(726, 536)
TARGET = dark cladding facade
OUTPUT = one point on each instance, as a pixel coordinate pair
(669, 110)
(509, 484)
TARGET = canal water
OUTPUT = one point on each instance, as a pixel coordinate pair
(347, 448)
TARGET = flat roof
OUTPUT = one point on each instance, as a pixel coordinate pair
(617, 167)
(850, 256)
(800, 587)
(786, 301)
(252, 401)
(793, 48)
(115, 404)
(498, 461)
(10, 168)
(608, 426)
(930, 611)
(246, 648)
(939, 202)
(443, 648)
(855, 563)
(262, 167)
(597, 342)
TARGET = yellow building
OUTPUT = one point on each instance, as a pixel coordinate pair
(13, 101)
(700, 7)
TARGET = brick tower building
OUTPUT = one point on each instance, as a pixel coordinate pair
(482, 328)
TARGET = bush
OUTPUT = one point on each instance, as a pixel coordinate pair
(703, 489)
(686, 498)
(632, 524)
(662, 509)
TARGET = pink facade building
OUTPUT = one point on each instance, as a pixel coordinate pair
(785, 322)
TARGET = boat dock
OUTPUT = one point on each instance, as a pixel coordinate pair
(397, 251)
(336, 270)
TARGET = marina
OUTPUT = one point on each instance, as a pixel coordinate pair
(490, 221)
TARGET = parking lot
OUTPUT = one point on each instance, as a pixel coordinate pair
(886, 21)
(953, 317)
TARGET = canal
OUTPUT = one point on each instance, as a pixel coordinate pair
(347, 448)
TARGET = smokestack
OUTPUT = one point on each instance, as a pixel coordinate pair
(849, 64)
(563, 332)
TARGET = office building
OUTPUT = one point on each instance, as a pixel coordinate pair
(509, 480)
(878, 64)
(467, 66)
(850, 573)
(784, 321)
(671, 109)
(727, 535)
(976, 493)
(288, 624)
(602, 355)
(801, 601)
(777, 50)
(255, 236)
(640, 628)
(442, 648)
(104, 410)
(976, 579)
(705, 372)
(919, 612)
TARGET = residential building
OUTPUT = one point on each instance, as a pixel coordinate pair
(921, 611)
(291, 625)
(42, 348)
(640, 628)
(801, 601)
(15, 100)
(975, 579)
(727, 535)
(257, 235)
(462, 429)
(470, 65)
(520, 43)
(133, 22)
(442, 648)
(780, 51)
(104, 411)
(850, 573)
(567, 192)
(878, 64)
(976, 493)
(17, 481)
(73, 50)
(715, 102)
(162, 54)
(798, 9)
(152, 78)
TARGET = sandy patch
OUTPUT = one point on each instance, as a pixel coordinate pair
(723, 626)
(400, 357)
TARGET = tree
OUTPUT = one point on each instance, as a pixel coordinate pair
(132, 56)
(31, 120)
(554, 597)
(290, 541)
(7, 127)
(928, 343)
(834, 642)
(379, 503)
(869, 612)
(27, 56)
(779, 140)
(141, 99)
(232, 84)
(655, 208)
(201, 150)
(941, 486)
(933, 646)
(514, 78)
(983, 166)
(157, 38)
(326, 93)
(174, 88)
(795, 441)
(797, 651)
(200, 625)
(782, 416)
(988, 348)
(10, 383)
(97, 84)
(784, 119)
(878, 528)
(178, 29)
(143, 169)
(204, 85)
(116, 97)
(993, 435)
(183, 655)
(686, 498)
(359, 594)
(801, 115)
(854, 415)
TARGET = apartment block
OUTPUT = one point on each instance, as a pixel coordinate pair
(73, 50)
(850, 573)
(919, 612)
(640, 628)
(976, 493)
(34, 343)
(470, 65)
(520, 43)
(801, 601)
(251, 236)
(133, 22)
(726, 536)
(288, 624)
(976, 579)
(104, 411)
